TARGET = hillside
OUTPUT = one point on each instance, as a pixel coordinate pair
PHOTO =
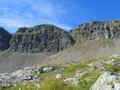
(92, 74)
(28, 47)
(4, 39)
(94, 39)
(85, 58)
(87, 50)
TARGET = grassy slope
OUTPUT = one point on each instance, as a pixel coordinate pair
(49, 82)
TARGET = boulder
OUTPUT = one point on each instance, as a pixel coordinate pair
(107, 81)
(17, 77)
(45, 69)
(58, 76)
(115, 57)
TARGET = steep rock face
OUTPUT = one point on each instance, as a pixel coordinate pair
(4, 39)
(97, 30)
(41, 38)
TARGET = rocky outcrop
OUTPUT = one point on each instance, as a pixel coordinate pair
(107, 81)
(23, 75)
(41, 38)
(4, 39)
(16, 77)
(97, 30)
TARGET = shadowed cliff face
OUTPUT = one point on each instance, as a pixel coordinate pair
(4, 39)
(42, 38)
(97, 30)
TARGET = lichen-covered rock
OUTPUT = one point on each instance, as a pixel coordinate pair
(97, 30)
(4, 39)
(107, 81)
(42, 38)
(44, 69)
(19, 76)
(23, 75)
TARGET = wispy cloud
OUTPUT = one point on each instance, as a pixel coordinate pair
(11, 22)
(31, 12)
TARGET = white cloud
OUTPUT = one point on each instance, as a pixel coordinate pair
(34, 12)
(11, 22)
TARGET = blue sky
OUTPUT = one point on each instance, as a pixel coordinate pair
(63, 13)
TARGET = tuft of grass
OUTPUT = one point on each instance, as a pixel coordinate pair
(69, 71)
(51, 83)
(115, 69)
(87, 80)
(91, 75)
(117, 60)
(72, 69)
(27, 86)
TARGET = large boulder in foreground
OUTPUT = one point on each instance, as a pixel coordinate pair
(107, 81)
(41, 38)
(4, 39)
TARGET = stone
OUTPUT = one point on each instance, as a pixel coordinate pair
(107, 81)
(58, 76)
(115, 57)
(43, 69)
(73, 80)
(47, 69)
(17, 77)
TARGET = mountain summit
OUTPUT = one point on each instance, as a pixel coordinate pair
(98, 30)
(4, 39)
(41, 38)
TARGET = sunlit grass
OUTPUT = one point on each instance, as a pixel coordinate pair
(87, 80)
(73, 69)
(107, 43)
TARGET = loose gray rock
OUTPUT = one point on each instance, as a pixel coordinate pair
(44, 69)
(106, 81)
(17, 77)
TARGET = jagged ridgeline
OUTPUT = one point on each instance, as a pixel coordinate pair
(51, 39)
(41, 38)
(4, 39)
(98, 30)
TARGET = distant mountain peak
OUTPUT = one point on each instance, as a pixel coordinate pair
(4, 39)
(97, 30)
(41, 38)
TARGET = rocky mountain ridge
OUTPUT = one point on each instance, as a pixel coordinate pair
(72, 66)
(98, 30)
(4, 39)
(51, 39)
(41, 38)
